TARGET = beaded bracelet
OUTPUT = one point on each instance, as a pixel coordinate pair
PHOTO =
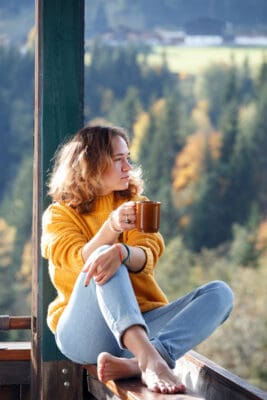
(118, 247)
(128, 253)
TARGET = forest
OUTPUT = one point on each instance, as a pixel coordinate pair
(201, 141)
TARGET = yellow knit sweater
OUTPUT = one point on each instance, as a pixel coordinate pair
(65, 232)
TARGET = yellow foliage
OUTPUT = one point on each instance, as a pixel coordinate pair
(139, 128)
(159, 107)
(189, 163)
(200, 116)
(262, 237)
(142, 124)
(7, 237)
(215, 143)
(26, 266)
(184, 221)
(31, 39)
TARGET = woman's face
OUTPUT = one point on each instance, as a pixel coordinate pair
(117, 175)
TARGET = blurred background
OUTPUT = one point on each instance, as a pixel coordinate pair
(189, 82)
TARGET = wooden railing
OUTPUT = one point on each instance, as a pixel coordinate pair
(204, 379)
(7, 323)
(15, 359)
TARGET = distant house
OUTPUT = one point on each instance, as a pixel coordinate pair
(250, 40)
(167, 37)
(203, 40)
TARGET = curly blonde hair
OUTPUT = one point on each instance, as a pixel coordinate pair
(79, 164)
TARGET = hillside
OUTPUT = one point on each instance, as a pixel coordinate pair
(17, 17)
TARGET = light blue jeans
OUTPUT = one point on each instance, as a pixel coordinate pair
(97, 316)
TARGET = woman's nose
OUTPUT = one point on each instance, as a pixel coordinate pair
(126, 166)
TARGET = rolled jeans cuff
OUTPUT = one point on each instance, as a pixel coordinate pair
(163, 352)
(126, 323)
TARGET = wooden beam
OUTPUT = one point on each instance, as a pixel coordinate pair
(211, 381)
(19, 322)
(129, 389)
(59, 66)
(16, 351)
(203, 379)
(15, 373)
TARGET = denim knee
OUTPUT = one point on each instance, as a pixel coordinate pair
(224, 296)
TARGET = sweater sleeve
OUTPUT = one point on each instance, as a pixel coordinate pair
(151, 243)
(63, 237)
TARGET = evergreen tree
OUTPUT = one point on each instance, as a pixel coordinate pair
(206, 228)
(16, 117)
(5, 141)
(125, 112)
(260, 150)
(212, 88)
(100, 23)
(247, 89)
(157, 155)
(218, 203)
(229, 118)
(17, 209)
(144, 153)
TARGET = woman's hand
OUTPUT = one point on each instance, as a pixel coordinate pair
(102, 266)
(124, 217)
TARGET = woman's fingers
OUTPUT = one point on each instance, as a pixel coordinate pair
(89, 268)
(89, 276)
(127, 214)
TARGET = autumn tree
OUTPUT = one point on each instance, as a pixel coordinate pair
(221, 186)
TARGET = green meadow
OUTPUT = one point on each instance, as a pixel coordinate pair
(193, 60)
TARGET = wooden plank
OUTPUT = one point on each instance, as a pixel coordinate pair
(62, 380)
(14, 322)
(203, 379)
(213, 382)
(15, 372)
(129, 389)
(25, 392)
(15, 392)
(17, 351)
(99, 391)
(9, 392)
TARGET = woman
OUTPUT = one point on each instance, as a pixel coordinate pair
(109, 309)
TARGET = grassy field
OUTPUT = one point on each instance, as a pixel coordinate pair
(192, 60)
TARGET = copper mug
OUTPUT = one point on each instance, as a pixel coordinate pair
(148, 216)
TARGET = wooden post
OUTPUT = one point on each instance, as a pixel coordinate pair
(59, 85)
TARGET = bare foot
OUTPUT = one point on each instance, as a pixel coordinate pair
(111, 368)
(160, 378)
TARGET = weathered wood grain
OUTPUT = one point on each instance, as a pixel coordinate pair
(203, 379)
